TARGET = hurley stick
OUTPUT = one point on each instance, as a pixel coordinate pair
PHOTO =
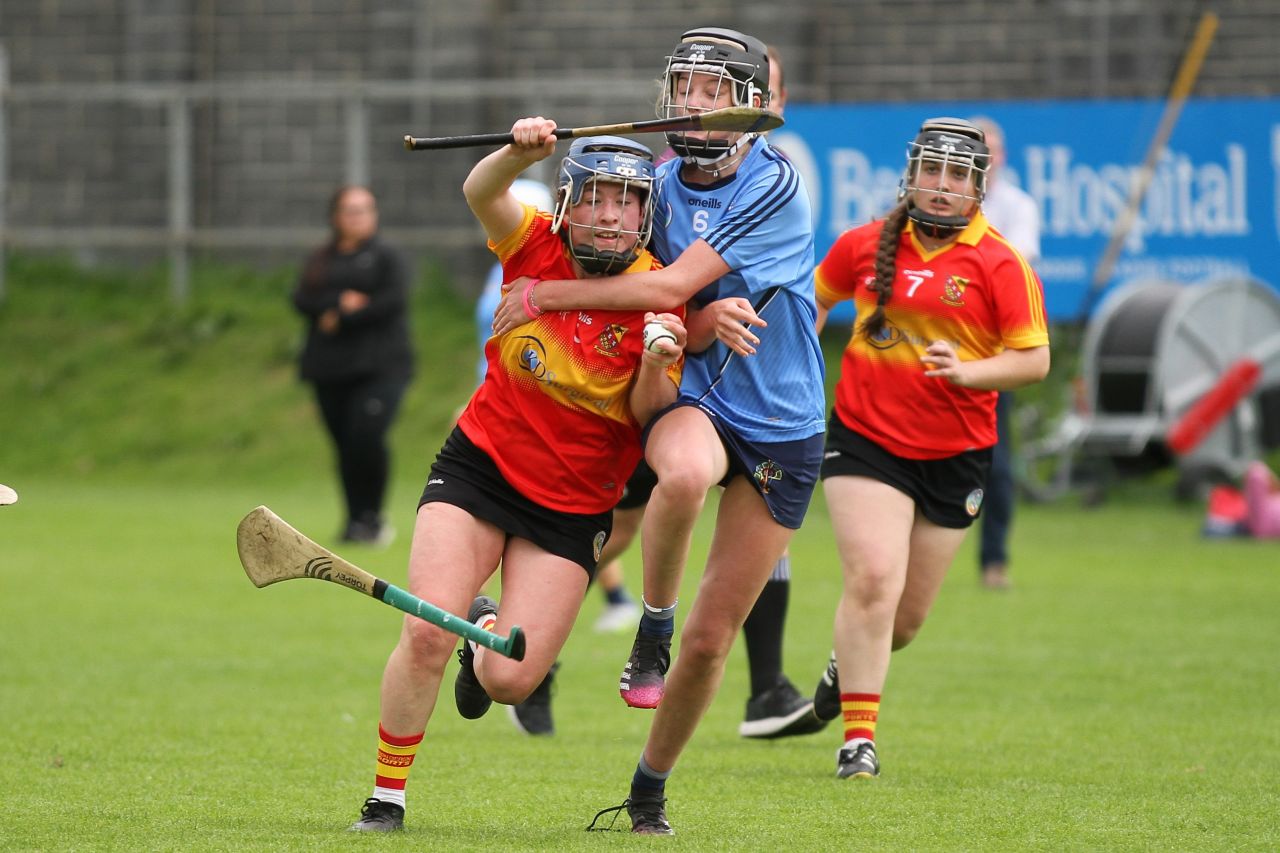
(271, 551)
(739, 119)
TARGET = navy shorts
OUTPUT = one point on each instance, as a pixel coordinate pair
(463, 475)
(783, 472)
(948, 491)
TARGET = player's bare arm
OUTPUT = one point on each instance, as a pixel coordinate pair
(1005, 371)
(656, 290)
(653, 388)
(487, 187)
(824, 310)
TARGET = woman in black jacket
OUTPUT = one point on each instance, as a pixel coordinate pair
(354, 293)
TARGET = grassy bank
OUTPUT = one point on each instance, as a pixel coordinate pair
(104, 376)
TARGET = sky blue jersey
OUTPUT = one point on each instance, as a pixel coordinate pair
(759, 221)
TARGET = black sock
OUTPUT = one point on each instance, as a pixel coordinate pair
(763, 634)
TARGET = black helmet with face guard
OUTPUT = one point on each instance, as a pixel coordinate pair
(947, 142)
(738, 61)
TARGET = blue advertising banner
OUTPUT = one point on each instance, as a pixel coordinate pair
(1212, 207)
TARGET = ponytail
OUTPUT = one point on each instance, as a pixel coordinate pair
(886, 267)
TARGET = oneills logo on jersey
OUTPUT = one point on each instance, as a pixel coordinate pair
(953, 291)
(584, 319)
(766, 472)
(610, 338)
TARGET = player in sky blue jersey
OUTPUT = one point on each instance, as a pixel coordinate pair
(750, 413)
(759, 222)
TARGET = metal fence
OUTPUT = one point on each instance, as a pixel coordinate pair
(192, 187)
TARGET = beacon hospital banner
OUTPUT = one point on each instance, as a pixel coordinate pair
(1212, 208)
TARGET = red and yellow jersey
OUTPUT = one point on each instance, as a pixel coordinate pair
(553, 410)
(976, 292)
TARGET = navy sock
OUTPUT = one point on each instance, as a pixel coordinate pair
(658, 621)
(648, 780)
(617, 595)
(657, 627)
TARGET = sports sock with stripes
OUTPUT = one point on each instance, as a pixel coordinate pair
(859, 712)
(395, 757)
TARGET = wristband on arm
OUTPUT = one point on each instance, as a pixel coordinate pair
(531, 308)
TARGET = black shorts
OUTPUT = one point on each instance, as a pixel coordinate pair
(639, 487)
(948, 491)
(463, 475)
(784, 473)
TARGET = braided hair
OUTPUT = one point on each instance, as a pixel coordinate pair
(886, 267)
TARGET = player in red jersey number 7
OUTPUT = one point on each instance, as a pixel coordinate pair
(950, 314)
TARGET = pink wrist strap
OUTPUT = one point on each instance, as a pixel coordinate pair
(531, 309)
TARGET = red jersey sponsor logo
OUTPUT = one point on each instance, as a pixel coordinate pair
(887, 337)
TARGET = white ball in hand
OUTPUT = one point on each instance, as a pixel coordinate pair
(654, 332)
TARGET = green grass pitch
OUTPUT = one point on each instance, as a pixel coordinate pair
(1123, 695)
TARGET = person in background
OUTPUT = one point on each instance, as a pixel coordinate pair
(1016, 215)
(775, 707)
(353, 292)
(528, 478)
(949, 314)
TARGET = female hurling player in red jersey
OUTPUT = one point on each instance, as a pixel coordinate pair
(529, 477)
(950, 314)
